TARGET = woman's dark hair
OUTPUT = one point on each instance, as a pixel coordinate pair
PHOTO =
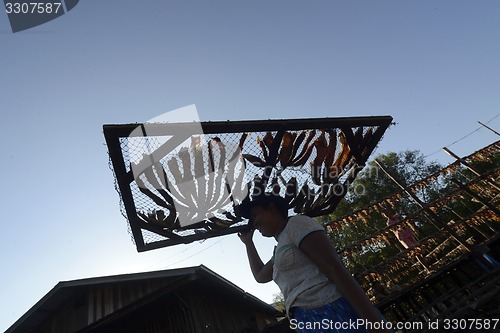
(263, 200)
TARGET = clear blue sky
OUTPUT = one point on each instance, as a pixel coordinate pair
(432, 65)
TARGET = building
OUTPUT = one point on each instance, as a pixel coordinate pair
(193, 299)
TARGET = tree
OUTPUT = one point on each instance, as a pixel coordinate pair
(279, 302)
(371, 186)
(455, 206)
(409, 166)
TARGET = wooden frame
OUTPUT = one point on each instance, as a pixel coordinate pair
(275, 155)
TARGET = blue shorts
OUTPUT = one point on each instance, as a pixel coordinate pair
(338, 316)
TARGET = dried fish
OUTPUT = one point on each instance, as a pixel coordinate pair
(302, 197)
(275, 186)
(158, 217)
(291, 188)
(297, 142)
(150, 176)
(285, 153)
(321, 149)
(344, 154)
(315, 173)
(255, 160)
(238, 151)
(197, 150)
(156, 199)
(263, 148)
(358, 135)
(331, 173)
(306, 150)
(268, 140)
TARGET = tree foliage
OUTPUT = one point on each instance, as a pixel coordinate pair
(279, 302)
(372, 185)
(430, 182)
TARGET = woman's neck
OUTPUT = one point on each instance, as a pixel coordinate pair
(279, 228)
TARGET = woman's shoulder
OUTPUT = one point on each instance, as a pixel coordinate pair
(303, 219)
(299, 226)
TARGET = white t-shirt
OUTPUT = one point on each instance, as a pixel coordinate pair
(300, 280)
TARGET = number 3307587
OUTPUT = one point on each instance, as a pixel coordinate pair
(32, 7)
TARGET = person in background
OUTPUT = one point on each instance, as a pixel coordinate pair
(315, 284)
(403, 233)
(405, 236)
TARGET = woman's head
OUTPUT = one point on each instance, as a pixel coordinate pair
(267, 212)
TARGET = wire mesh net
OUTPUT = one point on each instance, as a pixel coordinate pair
(177, 188)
